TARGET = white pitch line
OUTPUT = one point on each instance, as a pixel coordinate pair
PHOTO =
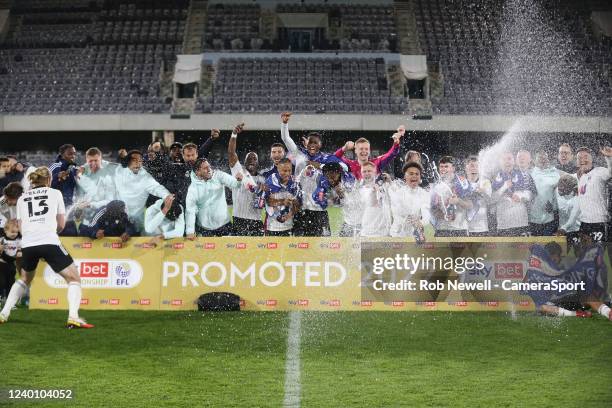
(293, 387)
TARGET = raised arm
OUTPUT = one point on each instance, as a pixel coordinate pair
(291, 146)
(206, 147)
(232, 157)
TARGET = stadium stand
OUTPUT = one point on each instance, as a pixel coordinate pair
(339, 85)
(110, 56)
(89, 57)
(466, 38)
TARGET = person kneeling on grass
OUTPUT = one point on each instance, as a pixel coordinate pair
(544, 267)
(110, 221)
(165, 219)
(41, 215)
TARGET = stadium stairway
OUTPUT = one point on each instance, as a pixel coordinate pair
(406, 27)
(196, 27)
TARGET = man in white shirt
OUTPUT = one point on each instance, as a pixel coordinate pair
(449, 201)
(376, 218)
(511, 193)
(593, 194)
(246, 211)
(478, 221)
(41, 215)
(8, 202)
(410, 204)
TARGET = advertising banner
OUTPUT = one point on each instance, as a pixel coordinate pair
(294, 273)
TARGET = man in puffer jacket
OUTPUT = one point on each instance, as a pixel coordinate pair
(133, 185)
(110, 221)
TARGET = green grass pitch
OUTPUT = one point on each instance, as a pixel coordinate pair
(347, 359)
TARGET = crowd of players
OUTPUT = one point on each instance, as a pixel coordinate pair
(177, 193)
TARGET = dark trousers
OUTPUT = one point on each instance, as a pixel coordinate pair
(308, 223)
(223, 231)
(7, 278)
(543, 230)
(246, 227)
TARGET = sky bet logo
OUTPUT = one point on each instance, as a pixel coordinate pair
(94, 269)
(508, 270)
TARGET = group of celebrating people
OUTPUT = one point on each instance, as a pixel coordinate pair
(179, 194)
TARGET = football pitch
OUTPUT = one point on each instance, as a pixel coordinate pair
(309, 359)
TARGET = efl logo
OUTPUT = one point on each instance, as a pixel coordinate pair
(86, 245)
(94, 269)
(334, 303)
(334, 245)
(535, 262)
(508, 270)
(303, 245)
(177, 302)
(145, 302)
(84, 301)
(271, 245)
(302, 302)
(271, 302)
(178, 245)
(240, 245)
(209, 245)
(114, 301)
(366, 303)
(397, 303)
(52, 301)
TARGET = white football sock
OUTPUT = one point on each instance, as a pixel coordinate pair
(17, 291)
(74, 299)
(565, 312)
(604, 311)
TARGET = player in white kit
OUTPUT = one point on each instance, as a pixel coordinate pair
(41, 215)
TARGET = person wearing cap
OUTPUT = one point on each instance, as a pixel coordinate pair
(176, 150)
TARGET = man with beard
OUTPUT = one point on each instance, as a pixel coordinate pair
(206, 211)
(246, 210)
(565, 159)
(592, 193)
(110, 221)
(175, 154)
(63, 178)
(133, 185)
